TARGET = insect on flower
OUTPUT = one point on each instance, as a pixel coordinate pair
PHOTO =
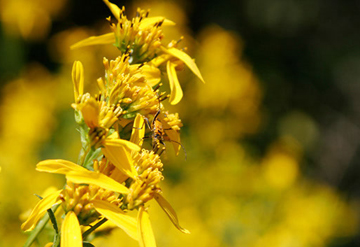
(160, 135)
(157, 134)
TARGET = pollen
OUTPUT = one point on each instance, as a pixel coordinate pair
(145, 186)
(138, 36)
(77, 198)
(173, 120)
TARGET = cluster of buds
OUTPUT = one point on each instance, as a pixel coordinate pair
(116, 173)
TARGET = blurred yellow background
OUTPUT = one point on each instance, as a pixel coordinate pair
(227, 192)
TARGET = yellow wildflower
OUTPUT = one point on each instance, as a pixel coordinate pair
(141, 36)
(141, 39)
(93, 196)
(114, 175)
(126, 85)
(124, 93)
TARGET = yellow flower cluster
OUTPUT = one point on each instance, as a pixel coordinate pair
(115, 174)
(141, 39)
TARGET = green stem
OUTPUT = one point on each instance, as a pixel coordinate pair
(93, 228)
(53, 220)
(39, 227)
(83, 154)
(36, 231)
(56, 242)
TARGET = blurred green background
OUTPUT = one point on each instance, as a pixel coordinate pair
(272, 138)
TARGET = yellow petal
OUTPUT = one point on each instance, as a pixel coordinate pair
(173, 135)
(90, 110)
(78, 79)
(122, 122)
(157, 61)
(152, 74)
(138, 131)
(115, 10)
(130, 146)
(117, 216)
(105, 39)
(39, 210)
(80, 175)
(120, 156)
(98, 179)
(175, 88)
(186, 59)
(165, 205)
(152, 20)
(70, 231)
(147, 238)
(114, 135)
(118, 175)
(59, 166)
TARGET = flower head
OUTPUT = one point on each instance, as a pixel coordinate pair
(141, 38)
(141, 35)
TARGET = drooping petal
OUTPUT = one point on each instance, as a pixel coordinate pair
(152, 74)
(138, 131)
(165, 205)
(40, 209)
(118, 217)
(59, 166)
(152, 20)
(147, 238)
(118, 151)
(175, 88)
(186, 59)
(115, 10)
(70, 231)
(98, 179)
(78, 79)
(105, 39)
